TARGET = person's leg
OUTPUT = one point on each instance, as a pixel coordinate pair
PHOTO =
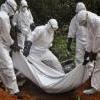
(51, 60)
(95, 79)
(7, 71)
(21, 79)
(21, 40)
(80, 51)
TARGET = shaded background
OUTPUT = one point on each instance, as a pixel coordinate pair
(63, 11)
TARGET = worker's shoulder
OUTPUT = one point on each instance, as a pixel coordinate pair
(3, 15)
(98, 20)
(73, 20)
(42, 27)
(39, 29)
(74, 17)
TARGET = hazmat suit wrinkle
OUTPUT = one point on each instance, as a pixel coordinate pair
(80, 33)
(4, 34)
(23, 21)
(94, 46)
(6, 65)
(41, 42)
(93, 43)
(93, 29)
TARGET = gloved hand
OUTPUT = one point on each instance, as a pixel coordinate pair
(15, 47)
(86, 57)
(69, 44)
(93, 56)
(17, 30)
(27, 47)
(85, 62)
(11, 18)
(32, 26)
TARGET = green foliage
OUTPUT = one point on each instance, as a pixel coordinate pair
(43, 10)
(59, 47)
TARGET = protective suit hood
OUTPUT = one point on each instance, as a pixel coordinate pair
(12, 4)
(9, 7)
(87, 16)
(24, 3)
(23, 6)
(80, 6)
(52, 24)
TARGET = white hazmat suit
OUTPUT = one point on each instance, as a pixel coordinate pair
(93, 44)
(6, 65)
(42, 38)
(23, 19)
(80, 33)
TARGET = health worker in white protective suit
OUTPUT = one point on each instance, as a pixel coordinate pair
(78, 32)
(42, 38)
(23, 22)
(92, 22)
(7, 73)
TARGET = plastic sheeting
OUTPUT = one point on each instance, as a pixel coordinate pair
(48, 79)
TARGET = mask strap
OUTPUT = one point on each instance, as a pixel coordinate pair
(51, 25)
(24, 6)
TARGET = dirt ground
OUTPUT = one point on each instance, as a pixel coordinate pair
(31, 92)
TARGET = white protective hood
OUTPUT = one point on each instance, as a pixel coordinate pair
(80, 6)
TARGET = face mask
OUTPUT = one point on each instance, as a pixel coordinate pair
(83, 23)
(24, 9)
(11, 10)
(11, 13)
(54, 27)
